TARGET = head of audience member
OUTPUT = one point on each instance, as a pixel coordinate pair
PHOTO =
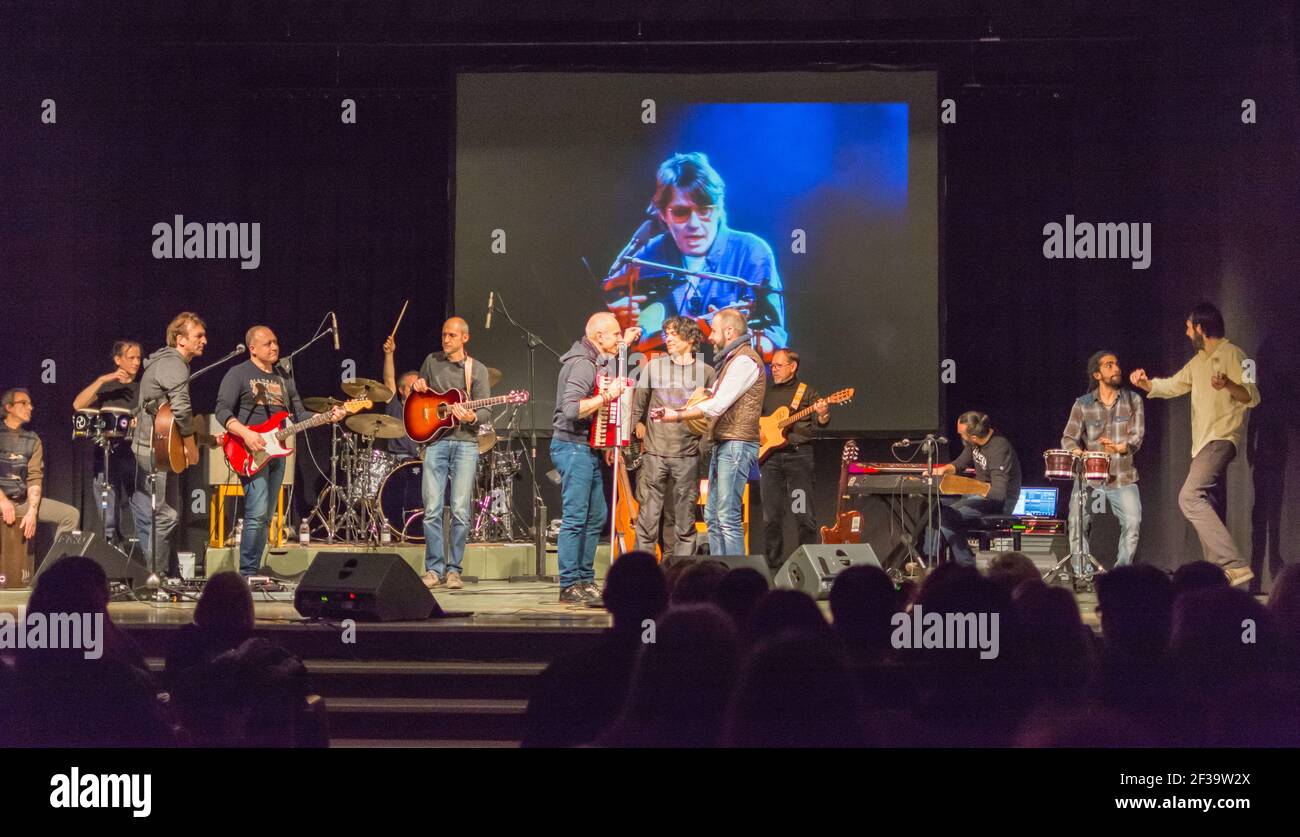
(1086, 726)
(783, 697)
(698, 582)
(955, 589)
(634, 590)
(1009, 569)
(863, 604)
(786, 610)
(1220, 636)
(1136, 605)
(1057, 645)
(74, 585)
(739, 592)
(250, 696)
(225, 609)
(1198, 575)
(681, 682)
(1284, 604)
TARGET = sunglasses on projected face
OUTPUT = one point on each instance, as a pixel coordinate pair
(682, 214)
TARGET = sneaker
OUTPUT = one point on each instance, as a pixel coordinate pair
(453, 581)
(1238, 575)
(574, 594)
(431, 580)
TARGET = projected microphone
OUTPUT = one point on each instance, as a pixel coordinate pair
(649, 228)
(492, 296)
(902, 443)
(335, 323)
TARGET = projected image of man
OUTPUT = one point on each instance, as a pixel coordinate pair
(690, 201)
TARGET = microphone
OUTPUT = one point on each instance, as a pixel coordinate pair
(649, 228)
(901, 443)
(335, 322)
(492, 297)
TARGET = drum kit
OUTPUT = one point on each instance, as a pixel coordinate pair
(1088, 469)
(374, 496)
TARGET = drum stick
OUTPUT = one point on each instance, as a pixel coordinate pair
(399, 319)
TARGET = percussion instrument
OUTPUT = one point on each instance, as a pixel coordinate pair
(113, 422)
(1096, 466)
(376, 425)
(367, 388)
(487, 436)
(1058, 464)
(400, 504)
(84, 423)
(318, 404)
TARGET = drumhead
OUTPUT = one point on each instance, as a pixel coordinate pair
(400, 502)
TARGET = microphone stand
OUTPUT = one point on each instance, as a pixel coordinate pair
(532, 340)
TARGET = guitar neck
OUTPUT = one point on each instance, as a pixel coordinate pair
(485, 402)
(316, 420)
(799, 416)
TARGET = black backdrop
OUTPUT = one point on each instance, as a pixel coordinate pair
(234, 116)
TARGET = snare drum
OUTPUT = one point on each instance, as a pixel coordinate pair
(84, 423)
(113, 422)
(400, 502)
(1058, 464)
(1096, 466)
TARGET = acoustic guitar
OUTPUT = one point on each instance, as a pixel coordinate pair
(172, 451)
(428, 416)
(848, 522)
(771, 429)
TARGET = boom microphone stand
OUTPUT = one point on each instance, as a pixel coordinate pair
(532, 340)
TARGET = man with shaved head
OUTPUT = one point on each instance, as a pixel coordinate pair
(735, 406)
(250, 394)
(581, 487)
(454, 457)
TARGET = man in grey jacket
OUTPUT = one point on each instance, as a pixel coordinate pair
(164, 381)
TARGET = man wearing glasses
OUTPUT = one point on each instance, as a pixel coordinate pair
(689, 202)
(22, 475)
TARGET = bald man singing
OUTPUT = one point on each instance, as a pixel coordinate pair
(250, 394)
(454, 457)
(581, 487)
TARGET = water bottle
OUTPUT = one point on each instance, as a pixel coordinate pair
(385, 534)
(304, 534)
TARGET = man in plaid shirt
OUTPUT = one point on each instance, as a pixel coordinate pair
(1109, 418)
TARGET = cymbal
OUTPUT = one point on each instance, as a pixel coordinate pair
(494, 376)
(376, 424)
(368, 388)
(487, 437)
(320, 404)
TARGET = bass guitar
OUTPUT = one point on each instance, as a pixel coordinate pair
(275, 431)
(771, 429)
(428, 416)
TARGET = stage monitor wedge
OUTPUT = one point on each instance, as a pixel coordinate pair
(118, 566)
(366, 586)
(813, 568)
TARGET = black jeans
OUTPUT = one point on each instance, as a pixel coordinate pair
(786, 483)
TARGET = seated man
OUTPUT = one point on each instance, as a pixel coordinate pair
(22, 473)
(995, 463)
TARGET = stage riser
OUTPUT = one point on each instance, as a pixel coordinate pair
(420, 686)
(430, 726)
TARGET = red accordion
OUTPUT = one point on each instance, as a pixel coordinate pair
(611, 425)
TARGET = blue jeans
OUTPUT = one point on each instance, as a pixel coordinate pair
(584, 510)
(261, 491)
(164, 521)
(457, 459)
(1126, 502)
(955, 517)
(724, 512)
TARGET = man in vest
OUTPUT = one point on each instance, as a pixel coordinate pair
(22, 475)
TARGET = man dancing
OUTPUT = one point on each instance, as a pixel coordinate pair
(1109, 418)
(1220, 399)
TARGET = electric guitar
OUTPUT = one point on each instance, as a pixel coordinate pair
(771, 429)
(428, 415)
(275, 431)
(848, 524)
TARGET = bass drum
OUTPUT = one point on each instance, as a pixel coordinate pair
(400, 502)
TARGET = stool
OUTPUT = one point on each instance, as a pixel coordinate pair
(217, 518)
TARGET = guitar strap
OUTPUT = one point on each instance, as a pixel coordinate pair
(469, 390)
(798, 396)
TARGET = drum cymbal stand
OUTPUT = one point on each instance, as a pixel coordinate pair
(1079, 557)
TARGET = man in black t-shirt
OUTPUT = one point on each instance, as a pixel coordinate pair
(251, 393)
(119, 388)
(995, 463)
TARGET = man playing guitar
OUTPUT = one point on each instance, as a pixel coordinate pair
(165, 381)
(789, 469)
(251, 393)
(454, 457)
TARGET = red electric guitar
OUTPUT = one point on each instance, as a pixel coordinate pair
(275, 431)
(428, 415)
